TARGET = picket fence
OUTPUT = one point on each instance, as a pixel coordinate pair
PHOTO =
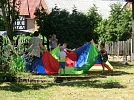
(119, 48)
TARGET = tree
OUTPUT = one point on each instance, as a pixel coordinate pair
(118, 26)
(95, 18)
(125, 25)
(75, 28)
(10, 14)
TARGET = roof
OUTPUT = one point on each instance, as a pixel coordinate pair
(84, 5)
(28, 7)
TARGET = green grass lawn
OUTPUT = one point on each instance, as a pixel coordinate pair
(118, 85)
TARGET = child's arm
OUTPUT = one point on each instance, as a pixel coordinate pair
(105, 52)
(68, 49)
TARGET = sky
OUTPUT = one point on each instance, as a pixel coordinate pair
(84, 5)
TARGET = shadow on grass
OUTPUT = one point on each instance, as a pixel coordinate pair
(113, 73)
(19, 87)
(121, 65)
(117, 73)
(93, 84)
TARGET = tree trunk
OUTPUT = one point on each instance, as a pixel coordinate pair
(7, 23)
(9, 33)
(48, 42)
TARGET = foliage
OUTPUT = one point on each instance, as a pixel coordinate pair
(118, 26)
(2, 28)
(10, 13)
(11, 61)
(95, 19)
(75, 28)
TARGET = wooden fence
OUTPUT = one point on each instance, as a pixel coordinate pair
(120, 48)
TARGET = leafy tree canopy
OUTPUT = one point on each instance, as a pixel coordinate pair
(75, 28)
(118, 26)
(10, 13)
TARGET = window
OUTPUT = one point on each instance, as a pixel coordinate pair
(20, 24)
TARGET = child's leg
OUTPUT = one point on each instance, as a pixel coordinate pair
(64, 71)
(103, 66)
(60, 71)
(64, 67)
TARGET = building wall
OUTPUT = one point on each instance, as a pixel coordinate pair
(31, 26)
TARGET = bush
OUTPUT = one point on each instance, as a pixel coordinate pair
(11, 61)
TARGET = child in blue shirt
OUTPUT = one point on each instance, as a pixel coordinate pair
(62, 59)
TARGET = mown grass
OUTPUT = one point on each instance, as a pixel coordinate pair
(118, 85)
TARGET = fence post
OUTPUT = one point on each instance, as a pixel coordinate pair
(131, 50)
(118, 48)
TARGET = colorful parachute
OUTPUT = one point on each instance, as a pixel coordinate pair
(97, 67)
(77, 61)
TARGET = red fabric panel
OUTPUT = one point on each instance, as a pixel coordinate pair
(51, 65)
(95, 65)
(71, 59)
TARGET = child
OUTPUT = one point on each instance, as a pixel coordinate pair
(66, 47)
(62, 59)
(53, 42)
(103, 55)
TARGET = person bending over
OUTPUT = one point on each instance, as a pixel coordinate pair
(35, 46)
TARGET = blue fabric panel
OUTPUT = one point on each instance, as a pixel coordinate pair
(98, 61)
(82, 53)
(40, 69)
(80, 50)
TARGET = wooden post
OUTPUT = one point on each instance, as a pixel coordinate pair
(132, 55)
(132, 45)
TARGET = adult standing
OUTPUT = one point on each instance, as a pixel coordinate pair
(35, 46)
(53, 41)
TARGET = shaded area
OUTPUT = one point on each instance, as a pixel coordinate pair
(19, 87)
(118, 73)
(60, 79)
(113, 73)
(121, 65)
(94, 84)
